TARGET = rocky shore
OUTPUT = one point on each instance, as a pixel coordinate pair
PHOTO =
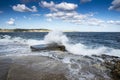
(32, 68)
(113, 64)
(46, 68)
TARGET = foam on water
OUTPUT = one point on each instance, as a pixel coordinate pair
(8, 39)
(78, 48)
(59, 38)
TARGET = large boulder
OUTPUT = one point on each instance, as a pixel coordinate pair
(48, 47)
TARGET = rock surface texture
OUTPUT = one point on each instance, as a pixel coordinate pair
(33, 68)
(47, 47)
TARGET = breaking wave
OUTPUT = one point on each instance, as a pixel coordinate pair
(78, 48)
(57, 37)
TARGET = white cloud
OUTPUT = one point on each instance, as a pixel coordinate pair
(11, 21)
(46, 4)
(67, 13)
(113, 22)
(76, 18)
(64, 6)
(115, 5)
(95, 22)
(24, 8)
(85, 1)
(36, 14)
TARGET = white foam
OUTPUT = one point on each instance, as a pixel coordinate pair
(61, 39)
(55, 37)
(34, 42)
(66, 60)
(8, 39)
(78, 48)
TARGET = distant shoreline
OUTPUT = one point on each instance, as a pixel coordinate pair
(24, 30)
(30, 30)
(43, 30)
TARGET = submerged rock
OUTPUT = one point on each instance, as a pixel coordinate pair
(48, 47)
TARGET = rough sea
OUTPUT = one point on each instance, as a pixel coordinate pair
(80, 46)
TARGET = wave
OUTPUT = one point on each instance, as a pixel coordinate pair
(57, 37)
(78, 49)
(5, 39)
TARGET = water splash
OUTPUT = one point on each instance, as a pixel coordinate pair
(78, 49)
(58, 37)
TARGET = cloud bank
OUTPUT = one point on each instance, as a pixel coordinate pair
(67, 12)
(64, 6)
(113, 22)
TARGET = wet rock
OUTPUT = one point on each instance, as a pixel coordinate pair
(106, 57)
(48, 47)
(37, 68)
(4, 68)
(113, 64)
(74, 66)
(116, 71)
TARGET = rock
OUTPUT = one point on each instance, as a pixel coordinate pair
(113, 64)
(37, 68)
(48, 47)
(116, 71)
(5, 64)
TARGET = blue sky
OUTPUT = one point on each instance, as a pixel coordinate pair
(75, 15)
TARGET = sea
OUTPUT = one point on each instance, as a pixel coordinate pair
(77, 44)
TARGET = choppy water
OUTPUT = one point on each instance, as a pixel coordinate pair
(81, 43)
(78, 44)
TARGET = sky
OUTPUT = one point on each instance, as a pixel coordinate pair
(73, 15)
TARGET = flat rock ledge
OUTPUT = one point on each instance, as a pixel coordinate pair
(34, 68)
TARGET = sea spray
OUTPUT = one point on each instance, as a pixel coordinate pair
(57, 37)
